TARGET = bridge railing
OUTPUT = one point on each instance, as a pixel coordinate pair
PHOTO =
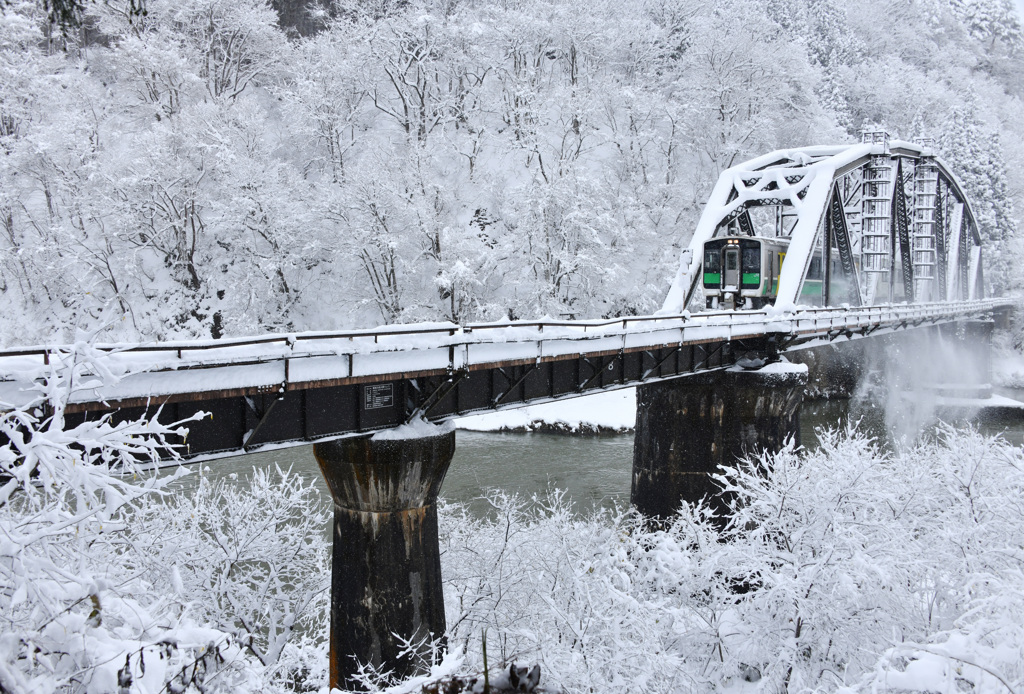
(299, 360)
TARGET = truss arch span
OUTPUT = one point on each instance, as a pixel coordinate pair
(883, 221)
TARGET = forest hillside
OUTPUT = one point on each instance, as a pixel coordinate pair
(198, 170)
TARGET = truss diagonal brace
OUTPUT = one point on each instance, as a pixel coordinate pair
(939, 231)
(746, 226)
(657, 366)
(439, 394)
(597, 373)
(251, 440)
(702, 364)
(963, 260)
(901, 230)
(519, 381)
(837, 230)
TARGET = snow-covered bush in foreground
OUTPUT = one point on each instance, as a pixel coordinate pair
(253, 558)
(84, 603)
(845, 568)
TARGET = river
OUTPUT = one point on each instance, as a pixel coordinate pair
(594, 470)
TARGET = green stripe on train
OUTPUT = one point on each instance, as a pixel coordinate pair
(811, 287)
(712, 278)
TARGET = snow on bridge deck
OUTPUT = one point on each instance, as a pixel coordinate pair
(236, 367)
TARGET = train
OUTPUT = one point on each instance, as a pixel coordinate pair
(742, 272)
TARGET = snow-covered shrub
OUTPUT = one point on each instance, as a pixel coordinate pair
(84, 604)
(600, 603)
(846, 568)
(252, 557)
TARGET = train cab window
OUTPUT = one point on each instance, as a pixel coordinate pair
(752, 259)
(731, 261)
(713, 260)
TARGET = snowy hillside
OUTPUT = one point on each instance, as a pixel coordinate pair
(197, 171)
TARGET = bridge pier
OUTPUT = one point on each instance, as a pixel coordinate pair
(386, 567)
(686, 428)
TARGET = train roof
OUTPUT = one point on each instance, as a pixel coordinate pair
(771, 239)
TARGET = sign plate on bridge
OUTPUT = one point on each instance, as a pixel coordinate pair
(378, 396)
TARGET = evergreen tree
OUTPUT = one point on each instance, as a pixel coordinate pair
(973, 152)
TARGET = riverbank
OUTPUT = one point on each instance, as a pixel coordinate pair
(610, 412)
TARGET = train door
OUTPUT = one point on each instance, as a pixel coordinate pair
(731, 273)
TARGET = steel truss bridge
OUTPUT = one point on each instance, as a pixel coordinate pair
(888, 221)
(896, 237)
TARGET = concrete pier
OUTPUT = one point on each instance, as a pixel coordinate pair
(686, 428)
(386, 569)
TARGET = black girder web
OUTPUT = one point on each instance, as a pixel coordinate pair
(746, 226)
(939, 229)
(901, 228)
(965, 262)
(835, 221)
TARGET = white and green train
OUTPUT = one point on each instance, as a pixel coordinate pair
(742, 272)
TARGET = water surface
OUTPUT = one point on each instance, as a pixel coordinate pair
(593, 470)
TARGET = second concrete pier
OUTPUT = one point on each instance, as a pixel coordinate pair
(686, 428)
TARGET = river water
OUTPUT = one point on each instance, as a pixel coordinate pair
(594, 470)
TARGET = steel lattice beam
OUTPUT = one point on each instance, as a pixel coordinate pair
(901, 232)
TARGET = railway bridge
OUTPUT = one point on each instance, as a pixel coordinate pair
(896, 246)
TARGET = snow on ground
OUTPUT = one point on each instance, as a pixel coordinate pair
(602, 412)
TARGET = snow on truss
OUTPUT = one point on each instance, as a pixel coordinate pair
(798, 178)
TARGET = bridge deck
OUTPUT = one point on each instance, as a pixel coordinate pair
(292, 389)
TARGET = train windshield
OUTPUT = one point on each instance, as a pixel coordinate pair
(713, 260)
(751, 258)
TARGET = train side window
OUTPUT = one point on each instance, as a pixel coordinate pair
(814, 271)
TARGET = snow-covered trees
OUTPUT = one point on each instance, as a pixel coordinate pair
(843, 569)
(423, 160)
(110, 582)
(974, 153)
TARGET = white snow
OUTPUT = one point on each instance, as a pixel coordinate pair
(613, 410)
(995, 400)
(418, 428)
(778, 367)
(1008, 369)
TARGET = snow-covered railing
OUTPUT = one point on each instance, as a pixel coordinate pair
(313, 359)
